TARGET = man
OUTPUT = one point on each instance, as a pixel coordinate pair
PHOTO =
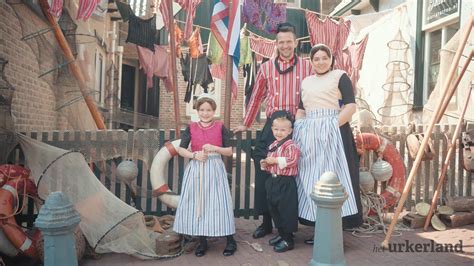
(279, 82)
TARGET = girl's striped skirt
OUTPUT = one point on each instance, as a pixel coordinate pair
(320, 142)
(205, 209)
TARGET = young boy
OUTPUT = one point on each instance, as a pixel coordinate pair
(282, 197)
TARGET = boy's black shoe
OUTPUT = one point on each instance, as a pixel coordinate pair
(283, 246)
(200, 250)
(230, 248)
(261, 231)
(274, 240)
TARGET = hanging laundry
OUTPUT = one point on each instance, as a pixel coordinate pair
(155, 64)
(262, 47)
(85, 9)
(124, 9)
(189, 5)
(264, 14)
(56, 7)
(178, 38)
(249, 73)
(196, 71)
(214, 50)
(245, 51)
(331, 33)
(142, 32)
(195, 44)
(353, 56)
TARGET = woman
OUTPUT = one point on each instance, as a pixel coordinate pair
(324, 136)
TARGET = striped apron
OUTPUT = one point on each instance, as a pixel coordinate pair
(320, 142)
(205, 208)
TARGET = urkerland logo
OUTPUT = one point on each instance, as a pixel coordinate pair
(431, 246)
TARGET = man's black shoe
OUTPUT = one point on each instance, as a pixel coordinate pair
(261, 232)
(283, 246)
(230, 248)
(274, 240)
(200, 250)
(309, 241)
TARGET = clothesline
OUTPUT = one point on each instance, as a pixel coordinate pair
(202, 27)
(199, 26)
(311, 11)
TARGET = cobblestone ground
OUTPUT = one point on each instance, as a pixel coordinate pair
(357, 250)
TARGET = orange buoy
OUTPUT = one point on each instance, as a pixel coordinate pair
(396, 183)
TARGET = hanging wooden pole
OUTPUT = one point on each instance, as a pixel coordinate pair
(452, 146)
(462, 43)
(73, 66)
(177, 116)
(452, 89)
(228, 92)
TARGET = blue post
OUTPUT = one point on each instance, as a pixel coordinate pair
(57, 221)
(329, 195)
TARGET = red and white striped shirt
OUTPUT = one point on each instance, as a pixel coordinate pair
(280, 91)
(288, 155)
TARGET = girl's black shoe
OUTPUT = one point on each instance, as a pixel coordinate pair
(230, 248)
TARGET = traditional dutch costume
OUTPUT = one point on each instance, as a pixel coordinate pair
(205, 208)
(325, 146)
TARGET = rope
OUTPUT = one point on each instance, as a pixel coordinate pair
(375, 225)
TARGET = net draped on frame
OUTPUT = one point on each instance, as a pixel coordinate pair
(108, 223)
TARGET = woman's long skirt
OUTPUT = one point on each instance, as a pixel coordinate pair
(322, 150)
(206, 210)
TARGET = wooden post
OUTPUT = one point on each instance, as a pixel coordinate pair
(452, 147)
(462, 43)
(177, 116)
(73, 66)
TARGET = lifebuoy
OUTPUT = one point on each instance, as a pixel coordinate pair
(8, 200)
(11, 171)
(158, 177)
(395, 185)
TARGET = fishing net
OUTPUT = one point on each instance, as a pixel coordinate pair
(397, 107)
(52, 65)
(109, 224)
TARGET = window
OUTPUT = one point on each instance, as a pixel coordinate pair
(99, 91)
(214, 89)
(290, 3)
(434, 42)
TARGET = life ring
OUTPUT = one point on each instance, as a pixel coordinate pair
(159, 178)
(396, 183)
(8, 200)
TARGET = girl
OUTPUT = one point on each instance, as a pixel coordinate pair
(205, 206)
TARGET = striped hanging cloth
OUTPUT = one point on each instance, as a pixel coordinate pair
(56, 8)
(86, 7)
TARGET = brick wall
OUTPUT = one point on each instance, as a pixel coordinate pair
(34, 101)
(167, 107)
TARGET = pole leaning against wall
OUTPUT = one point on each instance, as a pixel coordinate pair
(452, 147)
(439, 110)
(73, 66)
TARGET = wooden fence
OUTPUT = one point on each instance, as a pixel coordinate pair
(142, 145)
